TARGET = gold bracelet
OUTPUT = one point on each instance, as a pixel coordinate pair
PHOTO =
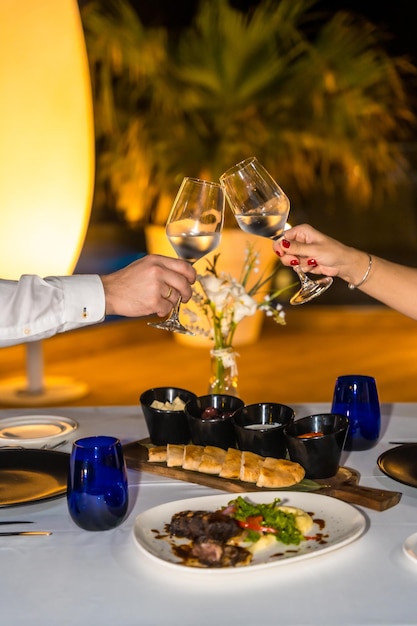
(365, 276)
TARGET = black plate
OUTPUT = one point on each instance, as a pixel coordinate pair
(400, 464)
(28, 476)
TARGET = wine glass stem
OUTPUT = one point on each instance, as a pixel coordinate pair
(304, 279)
(175, 312)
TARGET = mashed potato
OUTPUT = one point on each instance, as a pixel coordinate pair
(303, 520)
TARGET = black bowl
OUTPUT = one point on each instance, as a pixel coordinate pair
(316, 442)
(210, 429)
(166, 426)
(260, 427)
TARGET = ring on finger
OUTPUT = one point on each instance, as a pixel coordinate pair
(167, 297)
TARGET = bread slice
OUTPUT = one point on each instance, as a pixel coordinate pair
(279, 473)
(192, 457)
(175, 455)
(231, 465)
(250, 466)
(157, 454)
(212, 460)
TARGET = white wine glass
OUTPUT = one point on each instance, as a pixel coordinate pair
(194, 229)
(261, 208)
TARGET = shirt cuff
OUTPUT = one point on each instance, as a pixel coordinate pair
(84, 299)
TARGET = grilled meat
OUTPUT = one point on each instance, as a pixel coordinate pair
(209, 533)
(203, 525)
(215, 554)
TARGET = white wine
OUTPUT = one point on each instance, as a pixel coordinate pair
(267, 220)
(193, 228)
(193, 246)
(271, 226)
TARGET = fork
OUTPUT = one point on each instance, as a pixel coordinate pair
(17, 533)
(44, 447)
(57, 445)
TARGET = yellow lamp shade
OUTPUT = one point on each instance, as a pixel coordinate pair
(46, 161)
(46, 137)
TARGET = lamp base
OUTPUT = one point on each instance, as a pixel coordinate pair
(56, 390)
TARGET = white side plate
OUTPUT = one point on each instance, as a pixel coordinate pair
(35, 430)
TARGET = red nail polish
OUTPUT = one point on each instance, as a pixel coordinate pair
(277, 252)
(295, 262)
(285, 243)
(312, 262)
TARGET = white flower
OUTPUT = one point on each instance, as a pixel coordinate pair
(216, 288)
(226, 301)
(244, 306)
(228, 297)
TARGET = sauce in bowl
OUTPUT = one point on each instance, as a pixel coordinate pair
(310, 435)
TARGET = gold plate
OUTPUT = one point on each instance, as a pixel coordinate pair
(400, 463)
(32, 475)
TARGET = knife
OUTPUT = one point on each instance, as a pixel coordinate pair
(25, 533)
(2, 523)
(401, 443)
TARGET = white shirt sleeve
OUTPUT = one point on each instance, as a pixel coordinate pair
(34, 308)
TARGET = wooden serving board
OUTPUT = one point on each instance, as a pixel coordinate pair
(344, 485)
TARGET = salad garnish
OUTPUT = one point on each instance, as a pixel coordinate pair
(264, 519)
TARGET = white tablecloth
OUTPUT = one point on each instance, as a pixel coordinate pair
(77, 577)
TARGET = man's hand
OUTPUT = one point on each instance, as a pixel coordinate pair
(151, 285)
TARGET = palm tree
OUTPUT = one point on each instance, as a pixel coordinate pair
(315, 97)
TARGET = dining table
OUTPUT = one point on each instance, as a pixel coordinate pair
(78, 577)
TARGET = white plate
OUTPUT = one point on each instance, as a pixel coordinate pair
(35, 430)
(410, 547)
(336, 522)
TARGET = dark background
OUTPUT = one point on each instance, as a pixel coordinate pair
(395, 17)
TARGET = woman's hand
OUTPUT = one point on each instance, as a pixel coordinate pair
(392, 284)
(317, 253)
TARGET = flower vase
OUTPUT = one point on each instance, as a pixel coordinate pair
(224, 374)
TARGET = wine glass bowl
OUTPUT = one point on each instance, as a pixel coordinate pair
(188, 242)
(258, 203)
(194, 229)
(261, 208)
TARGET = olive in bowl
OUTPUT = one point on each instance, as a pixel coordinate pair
(260, 427)
(163, 409)
(210, 420)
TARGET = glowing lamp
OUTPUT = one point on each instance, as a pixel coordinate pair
(46, 158)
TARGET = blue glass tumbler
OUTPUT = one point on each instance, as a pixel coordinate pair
(97, 492)
(356, 396)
